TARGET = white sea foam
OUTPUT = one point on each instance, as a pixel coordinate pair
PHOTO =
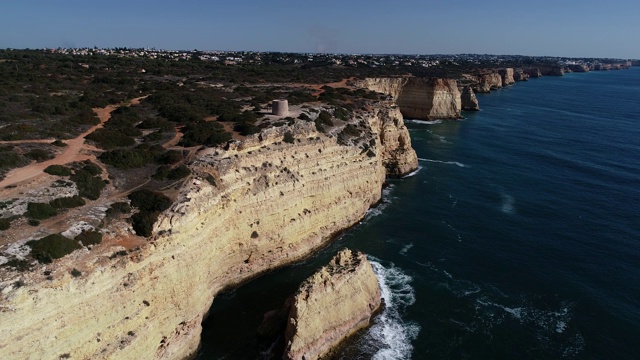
(406, 248)
(444, 162)
(413, 173)
(390, 336)
(507, 205)
(425, 122)
(385, 200)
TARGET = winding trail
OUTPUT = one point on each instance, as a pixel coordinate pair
(70, 153)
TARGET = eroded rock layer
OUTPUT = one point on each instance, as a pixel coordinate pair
(330, 305)
(507, 76)
(260, 204)
(420, 98)
(488, 82)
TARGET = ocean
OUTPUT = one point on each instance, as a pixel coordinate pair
(518, 238)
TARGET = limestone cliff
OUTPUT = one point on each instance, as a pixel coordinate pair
(533, 72)
(507, 76)
(469, 100)
(488, 82)
(330, 305)
(520, 75)
(578, 68)
(555, 70)
(260, 204)
(420, 98)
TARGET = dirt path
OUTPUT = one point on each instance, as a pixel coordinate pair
(32, 141)
(70, 153)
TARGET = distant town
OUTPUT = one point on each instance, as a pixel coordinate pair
(346, 60)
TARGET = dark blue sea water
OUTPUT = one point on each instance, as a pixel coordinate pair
(519, 238)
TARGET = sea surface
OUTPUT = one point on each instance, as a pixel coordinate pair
(518, 238)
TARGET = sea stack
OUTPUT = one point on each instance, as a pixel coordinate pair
(332, 304)
(469, 100)
(280, 108)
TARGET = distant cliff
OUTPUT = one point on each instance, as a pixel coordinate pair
(420, 98)
(487, 82)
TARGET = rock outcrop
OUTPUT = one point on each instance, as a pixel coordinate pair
(330, 305)
(258, 205)
(420, 98)
(520, 75)
(507, 76)
(488, 82)
(578, 68)
(533, 72)
(548, 70)
(469, 100)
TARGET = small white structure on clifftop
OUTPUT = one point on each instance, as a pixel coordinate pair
(280, 107)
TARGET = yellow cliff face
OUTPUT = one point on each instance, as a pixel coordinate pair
(488, 82)
(266, 203)
(420, 98)
(332, 304)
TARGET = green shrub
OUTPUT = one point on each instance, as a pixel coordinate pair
(351, 130)
(33, 222)
(51, 247)
(150, 204)
(68, 202)
(179, 172)
(110, 139)
(59, 143)
(304, 117)
(92, 168)
(118, 208)
(90, 237)
(88, 185)
(288, 137)
(58, 170)
(325, 118)
(171, 157)
(132, 158)
(209, 133)
(150, 201)
(5, 224)
(75, 273)
(18, 264)
(39, 155)
(143, 221)
(40, 211)
(341, 113)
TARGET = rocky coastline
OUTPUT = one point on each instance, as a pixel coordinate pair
(260, 203)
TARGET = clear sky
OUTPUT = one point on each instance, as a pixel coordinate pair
(558, 28)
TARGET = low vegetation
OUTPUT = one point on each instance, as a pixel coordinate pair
(52, 247)
(59, 170)
(67, 202)
(150, 204)
(40, 211)
(90, 237)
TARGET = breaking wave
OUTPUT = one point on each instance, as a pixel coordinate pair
(444, 162)
(390, 335)
(425, 122)
(385, 200)
(413, 173)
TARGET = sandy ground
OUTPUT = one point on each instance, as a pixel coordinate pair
(72, 152)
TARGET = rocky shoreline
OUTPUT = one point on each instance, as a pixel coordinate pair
(260, 203)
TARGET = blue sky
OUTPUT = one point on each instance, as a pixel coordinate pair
(570, 28)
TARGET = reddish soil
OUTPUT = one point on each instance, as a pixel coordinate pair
(72, 152)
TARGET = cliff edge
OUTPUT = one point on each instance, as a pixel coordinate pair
(420, 98)
(263, 202)
(330, 305)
